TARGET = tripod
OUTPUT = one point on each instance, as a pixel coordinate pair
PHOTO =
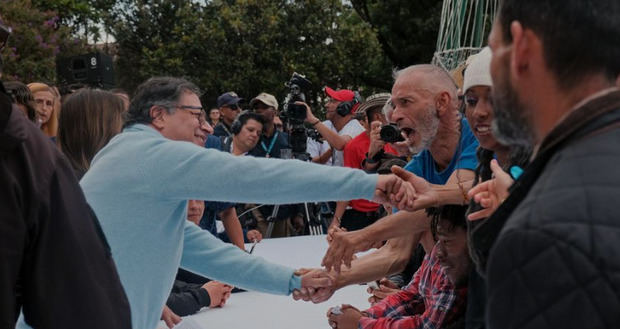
(316, 224)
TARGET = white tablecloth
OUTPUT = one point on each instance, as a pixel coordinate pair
(253, 310)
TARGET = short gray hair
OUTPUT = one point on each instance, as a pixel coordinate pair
(162, 91)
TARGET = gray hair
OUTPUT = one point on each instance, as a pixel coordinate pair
(158, 91)
(438, 79)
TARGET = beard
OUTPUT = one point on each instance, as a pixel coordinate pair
(511, 126)
(427, 131)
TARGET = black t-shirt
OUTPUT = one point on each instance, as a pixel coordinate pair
(222, 130)
(272, 145)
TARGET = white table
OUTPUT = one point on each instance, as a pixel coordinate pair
(254, 310)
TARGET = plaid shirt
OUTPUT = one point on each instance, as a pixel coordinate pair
(430, 301)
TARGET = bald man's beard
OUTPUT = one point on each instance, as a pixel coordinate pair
(427, 131)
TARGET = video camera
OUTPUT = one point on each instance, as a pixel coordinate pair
(295, 115)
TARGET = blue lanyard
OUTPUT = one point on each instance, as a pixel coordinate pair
(273, 142)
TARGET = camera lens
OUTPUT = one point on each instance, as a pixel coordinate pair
(391, 134)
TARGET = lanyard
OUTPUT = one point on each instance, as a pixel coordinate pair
(273, 142)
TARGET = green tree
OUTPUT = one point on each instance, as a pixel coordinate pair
(248, 45)
(84, 17)
(36, 40)
(407, 30)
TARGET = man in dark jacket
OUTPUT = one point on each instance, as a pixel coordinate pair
(56, 264)
(555, 263)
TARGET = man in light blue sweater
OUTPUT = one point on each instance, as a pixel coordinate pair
(139, 184)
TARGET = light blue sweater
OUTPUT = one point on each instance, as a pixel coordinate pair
(139, 184)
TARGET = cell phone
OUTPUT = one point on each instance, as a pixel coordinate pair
(374, 284)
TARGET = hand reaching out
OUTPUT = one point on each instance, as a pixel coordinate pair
(492, 193)
(316, 295)
(426, 196)
(393, 190)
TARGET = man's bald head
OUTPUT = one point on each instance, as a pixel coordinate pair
(429, 77)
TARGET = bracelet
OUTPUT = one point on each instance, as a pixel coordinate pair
(316, 122)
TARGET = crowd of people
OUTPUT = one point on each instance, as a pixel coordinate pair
(492, 207)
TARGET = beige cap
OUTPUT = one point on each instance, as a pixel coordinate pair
(266, 99)
(478, 71)
(376, 100)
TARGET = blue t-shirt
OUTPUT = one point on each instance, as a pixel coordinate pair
(424, 166)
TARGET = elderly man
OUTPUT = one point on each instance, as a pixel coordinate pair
(426, 109)
(554, 264)
(139, 184)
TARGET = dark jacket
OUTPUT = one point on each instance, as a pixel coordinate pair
(55, 263)
(187, 298)
(555, 263)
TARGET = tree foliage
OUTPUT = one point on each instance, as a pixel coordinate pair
(407, 30)
(36, 40)
(248, 46)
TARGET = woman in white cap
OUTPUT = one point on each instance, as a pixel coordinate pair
(493, 158)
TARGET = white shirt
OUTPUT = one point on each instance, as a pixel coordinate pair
(351, 129)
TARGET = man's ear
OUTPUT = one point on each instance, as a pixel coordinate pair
(157, 113)
(523, 48)
(442, 103)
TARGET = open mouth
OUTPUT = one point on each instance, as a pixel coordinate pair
(408, 131)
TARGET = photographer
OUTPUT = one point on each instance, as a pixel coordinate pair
(365, 151)
(341, 127)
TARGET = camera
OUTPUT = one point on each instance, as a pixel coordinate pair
(391, 134)
(295, 115)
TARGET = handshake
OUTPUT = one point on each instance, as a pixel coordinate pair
(317, 285)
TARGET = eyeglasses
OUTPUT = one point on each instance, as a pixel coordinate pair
(233, 107)
(200, 116)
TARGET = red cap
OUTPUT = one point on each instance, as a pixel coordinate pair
(343, 95)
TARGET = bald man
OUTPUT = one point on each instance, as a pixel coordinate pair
(426, 110)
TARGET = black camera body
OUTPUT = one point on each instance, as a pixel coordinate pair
(295, 115)
(391, 134)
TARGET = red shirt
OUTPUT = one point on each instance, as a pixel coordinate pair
(354, 153)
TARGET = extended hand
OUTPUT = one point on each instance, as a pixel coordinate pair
(343, 247)
(492, 193)
(311, 294)
(393, 190)
(426, 196)
(349, 318)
